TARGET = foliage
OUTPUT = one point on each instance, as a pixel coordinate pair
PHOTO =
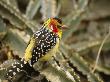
(88, 25)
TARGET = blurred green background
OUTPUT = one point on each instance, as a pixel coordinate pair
(87, 36)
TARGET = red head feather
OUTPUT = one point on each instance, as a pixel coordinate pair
(53, 25)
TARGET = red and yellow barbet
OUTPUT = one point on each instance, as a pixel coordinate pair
(42, 46)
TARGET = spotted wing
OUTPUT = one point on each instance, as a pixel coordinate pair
(46, 40)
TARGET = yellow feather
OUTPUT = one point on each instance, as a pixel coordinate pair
(60, 33)
(28, 51)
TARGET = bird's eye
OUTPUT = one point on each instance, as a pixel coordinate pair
(59, 26)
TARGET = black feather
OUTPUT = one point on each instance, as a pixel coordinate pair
(58, 20)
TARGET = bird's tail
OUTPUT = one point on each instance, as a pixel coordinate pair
(17, 67)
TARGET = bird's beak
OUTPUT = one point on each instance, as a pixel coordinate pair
(64, 27)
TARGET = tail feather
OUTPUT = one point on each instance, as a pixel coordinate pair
(17, 67)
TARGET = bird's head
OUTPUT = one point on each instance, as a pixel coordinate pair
(54, 25)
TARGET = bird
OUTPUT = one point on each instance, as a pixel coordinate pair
(43, 44)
